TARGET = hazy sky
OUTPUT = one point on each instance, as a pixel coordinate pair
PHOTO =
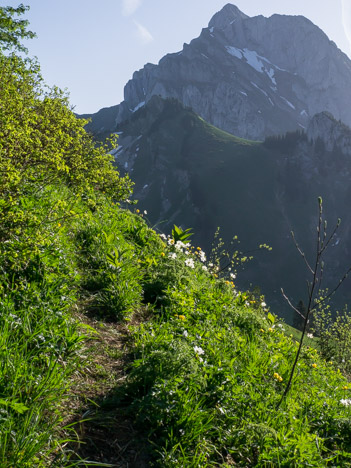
(92, 47)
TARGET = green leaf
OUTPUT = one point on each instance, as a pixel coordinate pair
(271, 318)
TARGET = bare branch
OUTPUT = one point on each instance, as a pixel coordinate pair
(333, 290)
(301, 252)
(290, 304)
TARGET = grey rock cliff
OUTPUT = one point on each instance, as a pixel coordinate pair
(251, 76)
(324, 128)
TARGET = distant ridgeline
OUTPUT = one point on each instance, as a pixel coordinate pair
(245, 77)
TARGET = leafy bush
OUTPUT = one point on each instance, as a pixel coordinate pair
(333, 335)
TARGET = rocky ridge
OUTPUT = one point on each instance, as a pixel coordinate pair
(250, 76)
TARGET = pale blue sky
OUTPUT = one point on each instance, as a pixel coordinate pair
(92, 47)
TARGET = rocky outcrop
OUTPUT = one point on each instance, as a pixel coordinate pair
(332, 133)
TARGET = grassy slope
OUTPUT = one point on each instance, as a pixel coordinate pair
(204, 370)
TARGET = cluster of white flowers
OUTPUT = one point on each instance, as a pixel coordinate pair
(202, 256)
(232, 275)
(199, 350)
(190, 263)
(179, 245)
(185, 333)
(309, 335)
(172, 255)
(163, 236)
(204, 267)
(345, 402)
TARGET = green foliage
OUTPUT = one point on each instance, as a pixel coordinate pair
(333, 335)
(38, 344)
(13, 30)
(179, 235)
(112, 274)
(42, 145)
(207, 380)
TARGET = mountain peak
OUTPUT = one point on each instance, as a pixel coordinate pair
(228, 14)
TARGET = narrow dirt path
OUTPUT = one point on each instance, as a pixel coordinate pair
(106, 435)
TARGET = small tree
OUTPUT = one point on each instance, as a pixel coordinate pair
(316, 269)
(299, 315)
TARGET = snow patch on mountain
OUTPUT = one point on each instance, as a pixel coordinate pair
(257, 62)
(141, 104)
(288, 102)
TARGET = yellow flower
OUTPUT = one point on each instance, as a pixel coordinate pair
(181, 317)
(261, 330)
(137, 211)
(252, 302)
(345, 387)
(277, 377)
(314, 365)
(59, 224)
(270, 330)
(198, 248)
(162, 254)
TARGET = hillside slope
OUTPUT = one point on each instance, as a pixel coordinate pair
(192, 174)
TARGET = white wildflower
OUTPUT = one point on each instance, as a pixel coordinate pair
(172, 255)
(145, 212)
(309, 335)
(202, 256)
(190, 263)
(232, 275)
(163, 236)
(179, 245)
(210, 265)
(263, 304)
(204, 267)
(199, 350)
(185, 333)
(346, 402)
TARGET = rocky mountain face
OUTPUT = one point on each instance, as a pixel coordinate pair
(250, 76)
(192, 174)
